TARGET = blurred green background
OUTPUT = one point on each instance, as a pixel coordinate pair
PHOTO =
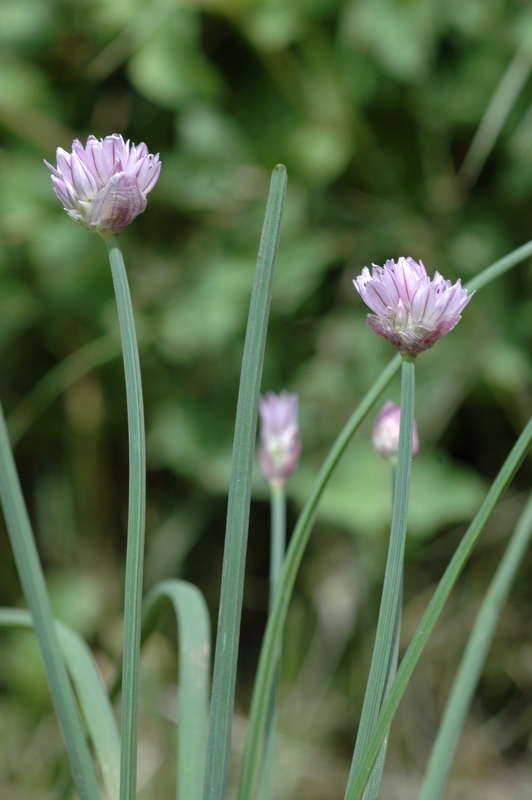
(406, 129)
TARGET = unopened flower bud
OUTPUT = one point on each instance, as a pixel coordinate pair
(385, 436)
(280, 442)
(103, 185)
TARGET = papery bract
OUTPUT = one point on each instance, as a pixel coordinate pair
(411, 310)
(103, 185)
(385, 436)
(280, 442)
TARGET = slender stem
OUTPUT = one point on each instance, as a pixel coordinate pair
(225, 660)
(278, 537)
(372, 789)
(473, 659)
(277, 551)
(384, 638)
(34, 587)
(135, 526)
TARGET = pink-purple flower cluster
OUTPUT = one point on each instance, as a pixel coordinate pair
(103, 185)
(280, 442)
(411, 310)
(385, 436)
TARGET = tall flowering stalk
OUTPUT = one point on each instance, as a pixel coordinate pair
(103, 186)
(385, 439)
(279, 452)
(412, 312)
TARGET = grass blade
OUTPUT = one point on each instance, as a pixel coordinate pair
(473, 659)
(194, 645)
(34, 587)
(226, 653)
(434, 609)
(92, 696)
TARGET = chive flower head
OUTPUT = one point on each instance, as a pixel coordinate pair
(385, 435)
(410, 310)
(103, 185)
(280, 442)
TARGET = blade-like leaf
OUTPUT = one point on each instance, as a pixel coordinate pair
(225, 660)
(194, 644)
(34, 586)
(92, 696)
(431, 615)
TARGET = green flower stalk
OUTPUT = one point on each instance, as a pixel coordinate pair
(385, 439)
(412, 312)
(103, 187)
(279, 452)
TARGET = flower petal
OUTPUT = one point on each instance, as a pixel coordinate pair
(104, 185)
(411, 311)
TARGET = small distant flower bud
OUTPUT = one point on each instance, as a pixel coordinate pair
(411, 310)
(103, 185)
(280, 442)
(385, 436)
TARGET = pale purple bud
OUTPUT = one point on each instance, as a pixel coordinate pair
(103, 185)
(280, 442)
(411, 310)
(385, 435)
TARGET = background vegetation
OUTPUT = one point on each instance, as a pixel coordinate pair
(374, 106)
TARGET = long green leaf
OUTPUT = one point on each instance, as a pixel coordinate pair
(434, 609)
(194, 644)
(219, 743)
(92, 696)
(95, 707)
(499, 267)
(473, 659)
(34, 587)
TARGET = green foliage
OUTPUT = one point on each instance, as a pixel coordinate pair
(372, 105)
